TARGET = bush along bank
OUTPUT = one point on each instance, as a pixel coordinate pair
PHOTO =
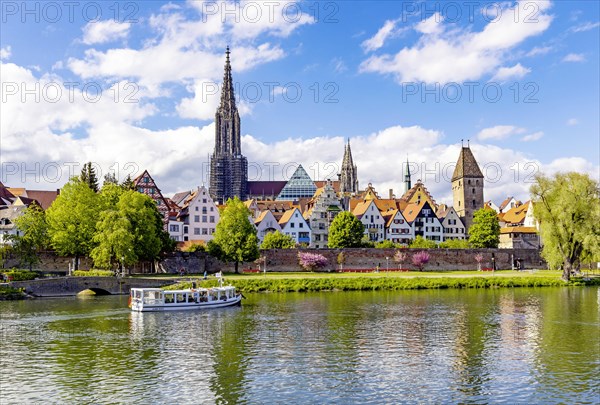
(10, 293)
(373, 284)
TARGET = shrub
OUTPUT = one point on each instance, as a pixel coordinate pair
(385, 244)
(400, 257)
(93, 273)
(421, 243)
(312, 261)
(21, 275)
(420, 259)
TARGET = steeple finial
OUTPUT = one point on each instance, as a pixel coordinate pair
(468, 143)
(462, 143)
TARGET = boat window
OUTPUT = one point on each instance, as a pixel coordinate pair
(169, 298)
(190, 297)
(181, 297)
(203, 296)
(214, 295)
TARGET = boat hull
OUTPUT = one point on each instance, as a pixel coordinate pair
(186, 306)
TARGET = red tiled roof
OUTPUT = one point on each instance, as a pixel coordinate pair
(43, 197)
(266, 188)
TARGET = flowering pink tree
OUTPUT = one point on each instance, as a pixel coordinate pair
(400, 257)
(312, 261)
(479, 259)
(420, 259)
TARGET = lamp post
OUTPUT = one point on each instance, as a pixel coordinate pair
(387, 264)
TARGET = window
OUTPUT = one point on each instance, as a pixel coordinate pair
(146, 180)
(196, 231)
(204, 210)
(292, 225)
(212, 219)
(203, 218)
(204, 231)
(196, 218)
(174, 228)
(204, 200)
(196, 208)
(474, 204)
(212, 209)
(473, 190)
(301, 225)
(140, 189)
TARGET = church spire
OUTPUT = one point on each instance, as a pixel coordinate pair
(348, 175)
(407, 182)
(227, 94)
(227, 119)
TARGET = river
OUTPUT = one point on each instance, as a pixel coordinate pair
(439, 346)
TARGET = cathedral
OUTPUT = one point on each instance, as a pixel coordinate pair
(228, 167)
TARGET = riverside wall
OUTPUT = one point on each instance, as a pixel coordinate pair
(286, 260)
(440, 259)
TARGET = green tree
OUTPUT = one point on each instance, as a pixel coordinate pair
(128, 183)
(277, 240)
(33, 235)
(110, 178)
(88, 176)
(235, 237)
(72, 220)
(128, 231)
(346, 231)
(454, 244)
(485, 231)
(386, 244)
(421, 243)
(567, 207)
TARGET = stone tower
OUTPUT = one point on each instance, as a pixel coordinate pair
(407, 182)
(228, 167)
(348, 175)
(467, 186)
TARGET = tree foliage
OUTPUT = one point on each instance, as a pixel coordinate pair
(420, 259)
(32, 236)
(128, 183)
(277, 240)
(312, 261)
(235, 237)
(567, 207)
(110, 178)
(485, 231)
(88, 176)
(72, 220)
(128, 231)
(346, 231)
(421, 243)
(454, 244)
(386, 244)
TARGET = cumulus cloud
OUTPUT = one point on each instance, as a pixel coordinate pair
(517, 71)
(532, 137)
(574, 57)
(5, 52)
(377, 40)
(499, 132)
(460, 54)
(99, 32)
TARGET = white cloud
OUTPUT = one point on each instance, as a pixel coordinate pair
(5, 52)
(587, 26)
(99, 32)
(377, 40)
(572, 122)
(533, 137)
(539, 50)
(499, 132)
(207, 95)
(432, 25)
(574, 57)
(517, 71)
(461, 54)
(338, 65)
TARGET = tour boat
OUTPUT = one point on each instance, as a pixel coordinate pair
(157, 299)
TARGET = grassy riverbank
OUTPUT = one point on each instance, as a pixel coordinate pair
(304, 282)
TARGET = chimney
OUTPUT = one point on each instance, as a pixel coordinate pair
(391, 193)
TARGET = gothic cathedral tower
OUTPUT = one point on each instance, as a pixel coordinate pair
(228, 167)
(348, 175)
(467, 187)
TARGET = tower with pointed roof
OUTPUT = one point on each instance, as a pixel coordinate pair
(467, 186)
(407, 182)
(228, 167)
(348, 175)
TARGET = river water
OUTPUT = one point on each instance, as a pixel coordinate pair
(434, 346)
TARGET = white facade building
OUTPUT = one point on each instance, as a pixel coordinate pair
(293, 224)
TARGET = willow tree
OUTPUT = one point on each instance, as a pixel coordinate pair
(567, 207)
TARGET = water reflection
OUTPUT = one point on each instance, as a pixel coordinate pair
(521, 345)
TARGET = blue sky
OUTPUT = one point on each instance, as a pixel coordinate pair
(384, 74)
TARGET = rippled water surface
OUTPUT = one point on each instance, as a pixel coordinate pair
(521, 345)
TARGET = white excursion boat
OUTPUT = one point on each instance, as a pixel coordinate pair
(157, 299)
